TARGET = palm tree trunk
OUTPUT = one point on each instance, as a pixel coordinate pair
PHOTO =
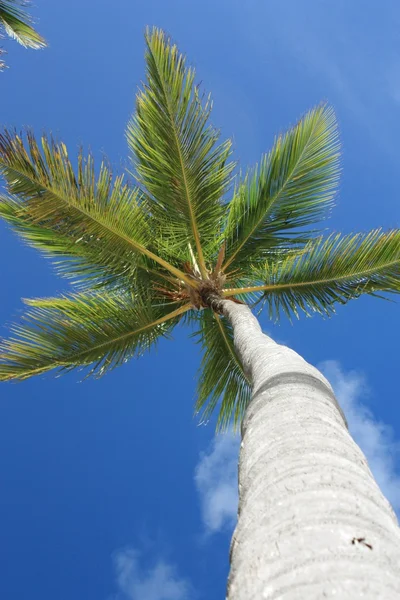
(312, 521)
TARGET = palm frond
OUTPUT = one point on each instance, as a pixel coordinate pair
(292, 188)
(221, 376)
(98, 228)
(18, 24)
(175, 150)
(84, 329)
(332, 270)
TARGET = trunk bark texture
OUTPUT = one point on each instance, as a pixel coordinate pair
(312, 522)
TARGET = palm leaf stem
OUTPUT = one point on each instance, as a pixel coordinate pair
(271, 203)
(262, 288)
(138, 247)
(202, 264)
(179, 311)
(58, 363)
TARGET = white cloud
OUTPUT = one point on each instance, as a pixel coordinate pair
(374, 437)
(216, 472)
(159, 582)
(216, 482)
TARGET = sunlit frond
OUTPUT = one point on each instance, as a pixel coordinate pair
(98, 228)
(332, 270)
(148, 256)
(292, 188)
(102, 330)
(175, 150)
(221, 376)
(18, 24)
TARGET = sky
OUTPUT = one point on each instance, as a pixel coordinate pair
(110, 488)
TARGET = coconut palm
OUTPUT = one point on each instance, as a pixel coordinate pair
(193, 243)
(16, 23)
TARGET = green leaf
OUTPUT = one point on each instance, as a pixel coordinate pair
(175, 150)
(332, 270)
(84, 329)
(17, 24)
(292, 188)
(221, 376)
(98, 228)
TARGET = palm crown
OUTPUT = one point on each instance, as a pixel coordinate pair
(17, 24)
(149, 256)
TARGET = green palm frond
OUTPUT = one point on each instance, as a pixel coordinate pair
(166, 250)
(221, 375)
(17, 24)
(84, 329)
(332, 270)
(292, 188)
(100, 230)
(175, 150)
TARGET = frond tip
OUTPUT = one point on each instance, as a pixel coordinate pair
(18, 24)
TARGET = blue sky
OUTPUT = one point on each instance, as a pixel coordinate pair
(109, 489)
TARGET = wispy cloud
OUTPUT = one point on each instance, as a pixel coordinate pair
(159, 582)
(374, 437)
(216, 482)
(351, 59)
(216, 472)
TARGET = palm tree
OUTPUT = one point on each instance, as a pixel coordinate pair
(17, 24)
(171, 249)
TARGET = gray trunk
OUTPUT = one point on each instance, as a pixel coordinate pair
(312, 522)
